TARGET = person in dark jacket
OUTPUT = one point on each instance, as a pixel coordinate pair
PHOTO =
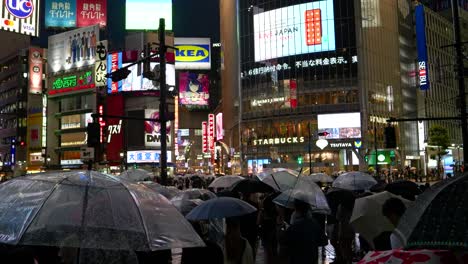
(301, 240)
(211, 254)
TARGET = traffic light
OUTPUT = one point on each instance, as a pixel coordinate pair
(300, 160)
(390, 137)
(94, 133)
(323, 134)
(21, 143)
(119, 74)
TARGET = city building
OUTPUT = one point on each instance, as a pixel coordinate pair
(317, 92)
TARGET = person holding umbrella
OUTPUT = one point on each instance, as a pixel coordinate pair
(300, 241)
(237, 249)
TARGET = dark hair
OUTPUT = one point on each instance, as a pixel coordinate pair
(393, 206)
(301, 206)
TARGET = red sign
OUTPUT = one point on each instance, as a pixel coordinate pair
(313, 27)
(91, 12)
(211, 128)
(102, 123)
(205, 136)
(293, 93)
(114, 129)
(35, 70)
(115, 66)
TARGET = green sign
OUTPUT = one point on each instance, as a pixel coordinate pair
(73, 83)
(384, 157)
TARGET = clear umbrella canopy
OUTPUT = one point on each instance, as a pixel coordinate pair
(307, 191)
(225, 181)
(136, 175)
(279, 179)
(167, 191)
(321, 177)
(194, 193)
(354, 181)
(87, 209)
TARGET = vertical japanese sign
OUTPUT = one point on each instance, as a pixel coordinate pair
(423, 67)
(91, 12)
(219, 126)
(100, 68)
(115, 133)
(293, 93)
(20, 16)
(205, 136)
(211, 124)
(35, 70)
(60, 13)
(114, 62)
(102, 123)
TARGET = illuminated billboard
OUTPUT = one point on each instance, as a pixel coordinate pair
(20, 16)
(35, 70)
(134, 83)
(75, 13)
(294, 30)
(145, 14)
(73, 49)
(153, 130)
(194, 89)
(192, 53)
(339, 126)
(146, 156)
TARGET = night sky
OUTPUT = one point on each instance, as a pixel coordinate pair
(191, 18)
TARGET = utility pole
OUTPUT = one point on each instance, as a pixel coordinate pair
(461, 80)
(162, 100)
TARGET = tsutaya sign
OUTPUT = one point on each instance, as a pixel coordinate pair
(277, 141)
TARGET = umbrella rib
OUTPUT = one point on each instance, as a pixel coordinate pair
(140, 215)
(45, 200)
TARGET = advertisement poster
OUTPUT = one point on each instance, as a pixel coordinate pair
(34, 131)
(73, 49)
(20, 16)
(294, 30)
(194, 89)
(145, 14)
(91, 12)
(114, 62)
(134, 83)
(423, 67)
(35, 70)
(153, 130)
(205, 136)
(75, 13)
(100, 67)
(114, 130)
(340, 126)
(219, 127)
(146, 156)
(192, 53)
(60, 13)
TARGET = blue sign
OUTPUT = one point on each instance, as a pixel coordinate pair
(20, 8)
(423, 67)
(114, 62)
(60, 13)
(146, 156)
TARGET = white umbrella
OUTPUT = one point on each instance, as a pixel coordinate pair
(367, 218)
(279, 178)
(225, 181)
(354, 181)
(321, 177)
(136, 175)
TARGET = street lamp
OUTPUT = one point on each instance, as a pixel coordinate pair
(122, 160)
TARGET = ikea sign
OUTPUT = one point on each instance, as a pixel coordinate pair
(192, 53)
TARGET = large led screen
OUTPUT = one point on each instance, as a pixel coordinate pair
(194, 89)
(137, 83)
(145, 14)
(294, 30)
(153, 130)
(340, 126)
(75, 13)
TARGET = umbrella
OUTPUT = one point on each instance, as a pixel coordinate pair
(185, 206)
(414, 257)
(321, 177)
(307, 191)
(251, 186)
(194, 193)
(408, 189)
(354, 181)
(220, 207)
(279, 178)
(367, 218)
(438, 217)
(167, 191)
(87, 209)
(136, 175)
(336, 197)
(225, 181)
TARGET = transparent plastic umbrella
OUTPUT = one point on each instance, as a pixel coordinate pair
(136, 175)
(321, 177)
(307, 191)
(280, 179)
(194, 193)
(354, 181)
(87, 209)
(225, 181)
(167, 191)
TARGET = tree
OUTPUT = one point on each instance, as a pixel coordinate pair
(439, 137)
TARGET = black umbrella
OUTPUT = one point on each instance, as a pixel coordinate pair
(251, 186)
(438, 217)
(407, 189)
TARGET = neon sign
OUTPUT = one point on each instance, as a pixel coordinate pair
(73, 83)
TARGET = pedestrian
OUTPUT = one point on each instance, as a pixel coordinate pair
(211, 254)
(343, 235)
(249, 222)
(300, 241)
(237, 249)
(393, 209)
(267, 229)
